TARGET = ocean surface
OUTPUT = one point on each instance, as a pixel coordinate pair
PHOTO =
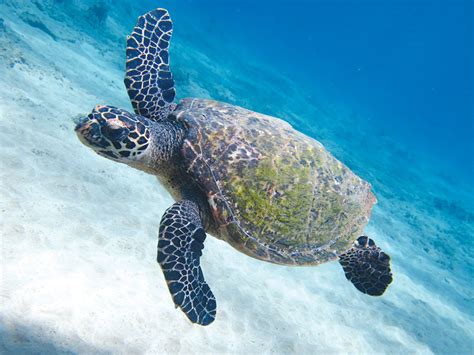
(387, 87)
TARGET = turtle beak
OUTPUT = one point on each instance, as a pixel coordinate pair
(82, 121)
(88, 131)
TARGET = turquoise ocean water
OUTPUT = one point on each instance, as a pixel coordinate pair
(387, 87)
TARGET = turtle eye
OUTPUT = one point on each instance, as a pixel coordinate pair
(362, 241)
(114, 132)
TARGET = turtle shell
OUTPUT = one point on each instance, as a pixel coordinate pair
(274, 193)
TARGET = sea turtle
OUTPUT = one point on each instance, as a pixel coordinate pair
(249, 179)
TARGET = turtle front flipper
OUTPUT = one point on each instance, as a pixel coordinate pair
(148, 78)
(367, 267)
(180, 245)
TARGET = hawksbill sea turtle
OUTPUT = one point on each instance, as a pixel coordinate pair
(249, 179)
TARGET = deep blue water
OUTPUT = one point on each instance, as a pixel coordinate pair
(407, 65)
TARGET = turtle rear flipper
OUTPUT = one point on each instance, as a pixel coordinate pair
(180, 245)
(367, 267)
(148, 78)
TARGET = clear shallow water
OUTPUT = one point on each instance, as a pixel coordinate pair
(385, 88)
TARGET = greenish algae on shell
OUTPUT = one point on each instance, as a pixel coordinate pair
(275, 193)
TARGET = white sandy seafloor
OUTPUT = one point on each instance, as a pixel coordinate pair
(79, 232)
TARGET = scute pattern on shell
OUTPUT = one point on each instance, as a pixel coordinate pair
(276, 194)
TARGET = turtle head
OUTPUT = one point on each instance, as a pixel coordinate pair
(115, 134)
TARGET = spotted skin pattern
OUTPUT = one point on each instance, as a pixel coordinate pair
(367, 267)
(115, 133)
(180, 245)
(148, 78)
